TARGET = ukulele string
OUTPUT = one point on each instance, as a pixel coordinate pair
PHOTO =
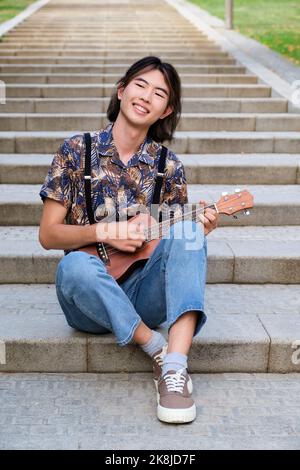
(113, 250)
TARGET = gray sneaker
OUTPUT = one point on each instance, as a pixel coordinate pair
(174, 401)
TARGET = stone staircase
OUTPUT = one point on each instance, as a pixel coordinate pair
(60, 67)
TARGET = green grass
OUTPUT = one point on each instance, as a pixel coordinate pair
(11, 8)
(275, 23)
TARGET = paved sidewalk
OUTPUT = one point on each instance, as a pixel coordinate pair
(118, 411)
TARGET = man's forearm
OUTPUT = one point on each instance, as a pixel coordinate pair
(68, 237)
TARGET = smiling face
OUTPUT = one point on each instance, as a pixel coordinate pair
(145, 99)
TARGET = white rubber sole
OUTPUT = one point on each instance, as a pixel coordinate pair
(171, 415)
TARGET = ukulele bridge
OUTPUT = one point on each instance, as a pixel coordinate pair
(102, 253)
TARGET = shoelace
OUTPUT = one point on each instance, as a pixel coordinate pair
(159, 358)
(175, 382)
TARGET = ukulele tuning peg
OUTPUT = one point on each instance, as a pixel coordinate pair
(237, 190)
(224, 193)
(247, 212)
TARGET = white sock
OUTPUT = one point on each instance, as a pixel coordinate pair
(155, 343)
(174, 361)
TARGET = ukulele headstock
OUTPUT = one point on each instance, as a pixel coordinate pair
(238, 201)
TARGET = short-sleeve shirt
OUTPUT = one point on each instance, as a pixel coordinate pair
(116, 187)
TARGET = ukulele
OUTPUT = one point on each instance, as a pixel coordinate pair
(121, 263)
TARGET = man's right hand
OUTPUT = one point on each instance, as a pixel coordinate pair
(125, 235)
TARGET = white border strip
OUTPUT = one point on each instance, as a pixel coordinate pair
(10, 24)
(203, 21)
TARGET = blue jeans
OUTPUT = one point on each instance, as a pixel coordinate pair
(171, 283)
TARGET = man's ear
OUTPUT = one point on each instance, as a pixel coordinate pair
(167, 112)
(120, 91)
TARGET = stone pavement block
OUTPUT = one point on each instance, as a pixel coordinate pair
(105, 355)
(256, 233)
(221, 264)
(229, 344)
(254, 262)
(283, 145)
(252, 299)
(102, 411)
(285, 342)
(41, 343)
(229, 142)
(228, 169)
(27, 262)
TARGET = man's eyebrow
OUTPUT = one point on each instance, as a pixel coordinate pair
(157, 88)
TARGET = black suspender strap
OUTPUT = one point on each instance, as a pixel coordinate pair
(88, 194)
(87, 177)
(158, 183)
(160, 175)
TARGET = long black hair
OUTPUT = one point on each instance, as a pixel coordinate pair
(162, 129)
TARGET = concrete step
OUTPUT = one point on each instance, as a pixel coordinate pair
(235, 255)
(112, 68)
(182, 56)
(47, 36)
(68, 58)
(253, 169)
(231, 299)
(183, 142)
(57, 78)
(173, 23)
(99, 105)
(274, 204)
(145, 33)
(200, 169)
(106, 50)
(105, 35)
(36, 338)
(81, 30)
(262, 122)
(142, 38)
(97, 90)
(240, 255)
(113, 47)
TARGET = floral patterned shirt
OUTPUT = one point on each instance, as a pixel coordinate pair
(116, 187)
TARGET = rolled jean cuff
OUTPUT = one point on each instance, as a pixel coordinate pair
(201, 317)
(131, 334)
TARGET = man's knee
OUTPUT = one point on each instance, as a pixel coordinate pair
(77, 268)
